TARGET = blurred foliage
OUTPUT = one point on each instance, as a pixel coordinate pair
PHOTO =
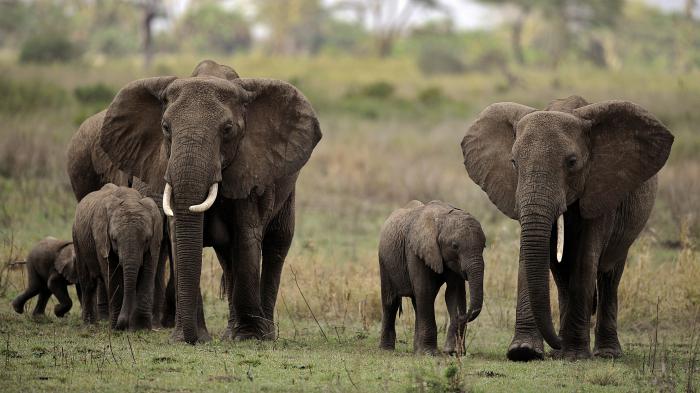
(207, 26)
(48, 48)
(31, 95)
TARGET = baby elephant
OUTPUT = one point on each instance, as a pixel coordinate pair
(421, 247)
(50, 269)
(117, 235)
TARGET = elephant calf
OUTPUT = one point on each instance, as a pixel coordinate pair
(50, 269)
(421, 247)
(117, 236)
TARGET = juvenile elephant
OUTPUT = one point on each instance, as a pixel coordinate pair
(50, 269)
(225, 153)
(117, 235)
(421, 247)
(581, 179)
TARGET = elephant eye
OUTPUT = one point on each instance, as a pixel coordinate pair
(455, 246)
(515, 166)
(166, 128)
(571, 162)
(227, 129)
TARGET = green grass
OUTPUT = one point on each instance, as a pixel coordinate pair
(384, 144)
(64, 355)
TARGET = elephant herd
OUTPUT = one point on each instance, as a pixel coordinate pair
(211, 160)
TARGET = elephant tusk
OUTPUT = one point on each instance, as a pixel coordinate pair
(167, 197)
(560, 238)
(204, 206)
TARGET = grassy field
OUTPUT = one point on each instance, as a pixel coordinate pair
(390, 135)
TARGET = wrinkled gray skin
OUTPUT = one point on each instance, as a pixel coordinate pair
(50, 269)
(594, 163)
(117, 235)
(422, 247)
(252, 137)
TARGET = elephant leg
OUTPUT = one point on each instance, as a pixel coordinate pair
(225, 257)
(88, 300)
(33, 288)
(390, 306)
(527, 342)
(607, 344)
(102, 301)
(115, 291)
(159, 287)
(426, 329)
(168, 318)
(59, 287)
(275, 246)
(40, 307)
(245, 291)
(456, 300)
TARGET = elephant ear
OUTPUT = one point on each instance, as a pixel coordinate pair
(628, 146)
(281, 130)
(100, 220)
(487, 149)
(212, 68)
(131, 133)
(422, 237)
(157, 227)
(65, 263)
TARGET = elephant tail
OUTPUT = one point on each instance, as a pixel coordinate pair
(400, 308)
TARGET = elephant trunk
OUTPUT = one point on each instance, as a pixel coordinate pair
(475, 274)
(188, 243)
(536, 227)
(130, 260)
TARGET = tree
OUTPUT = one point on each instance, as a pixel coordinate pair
(209, 26)
(387, 19)
(294, 25)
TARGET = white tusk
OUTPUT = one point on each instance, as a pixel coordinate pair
(204, 206)
(167, 197)
(560, 238)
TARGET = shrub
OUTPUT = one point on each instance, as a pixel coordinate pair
(97, 93)
(380, 89)
(21, 96)
(434, 60)
(431, 96)
(48, 48)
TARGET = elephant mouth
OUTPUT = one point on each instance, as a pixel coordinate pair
(200, 208)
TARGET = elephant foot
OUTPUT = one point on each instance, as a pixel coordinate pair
(571, 355)
(19, 308)
(451, 348)
(179, 336)
(61, 309)
(167, 321)
(526, 349)
(431, 351)
(608, 351)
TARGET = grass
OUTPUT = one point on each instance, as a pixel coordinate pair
(384, 144)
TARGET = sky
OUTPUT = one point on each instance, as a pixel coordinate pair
(468, 14)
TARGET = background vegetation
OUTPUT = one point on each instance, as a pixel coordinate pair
(395, 84)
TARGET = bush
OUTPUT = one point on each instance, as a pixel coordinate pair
(434, 60)
(379, 89)
(97, 93)
(48, 48)
(21, 96)
(431, 96)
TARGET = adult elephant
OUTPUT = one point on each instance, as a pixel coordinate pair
(581, 179)
(225, 153)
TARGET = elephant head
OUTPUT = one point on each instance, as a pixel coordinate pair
(446, 237)
(203, 136)
(129, 227)
(65, 263)
(534, 165)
